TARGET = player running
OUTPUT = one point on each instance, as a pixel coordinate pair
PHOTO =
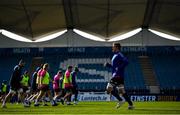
(15, 85)
(116, 84)
(44, 81)
(67, 85)
(25, 84)
(34, 86)
(75, 86)
(56, 84)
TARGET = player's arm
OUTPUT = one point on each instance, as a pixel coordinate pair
(59, 83)
(42, 74)
(37, 80)
(107, 65)
(40, 80)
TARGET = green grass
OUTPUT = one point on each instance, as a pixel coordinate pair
(96, 108)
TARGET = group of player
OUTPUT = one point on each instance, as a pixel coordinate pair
(64, 85)
(41, 80)
(3, 90)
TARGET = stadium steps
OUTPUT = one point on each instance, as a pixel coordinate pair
(167, 71)
(149, 74)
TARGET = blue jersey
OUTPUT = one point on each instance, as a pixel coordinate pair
(118, 62)
(16, 77)
(33, 81)
(74, 74)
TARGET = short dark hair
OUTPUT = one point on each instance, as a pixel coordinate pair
(69, 66)
(118, 45)
(60, 71)
(76, 69)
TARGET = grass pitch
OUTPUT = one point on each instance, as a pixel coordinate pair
(96, 108)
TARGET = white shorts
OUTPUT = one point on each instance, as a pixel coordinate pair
(109, 86)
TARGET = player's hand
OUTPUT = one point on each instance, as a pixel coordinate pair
(107, 64)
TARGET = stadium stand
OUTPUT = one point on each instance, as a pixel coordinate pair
(167, 72)
(93, 76)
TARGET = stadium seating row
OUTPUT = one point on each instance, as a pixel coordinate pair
(93, 76)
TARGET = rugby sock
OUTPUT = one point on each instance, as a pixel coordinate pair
(44, 101)
(36, 101)
(3, 103)
(52, 102)
(75, 97)
(115, 94)
(127, 99)
(55, 99)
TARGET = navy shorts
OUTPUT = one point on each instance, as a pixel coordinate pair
(44, 87)
(116, 81)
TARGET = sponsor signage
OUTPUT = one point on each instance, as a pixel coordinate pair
(93, 97)
(143, 98)
(140, 98)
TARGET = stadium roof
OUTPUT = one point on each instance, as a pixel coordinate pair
(104, 18)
